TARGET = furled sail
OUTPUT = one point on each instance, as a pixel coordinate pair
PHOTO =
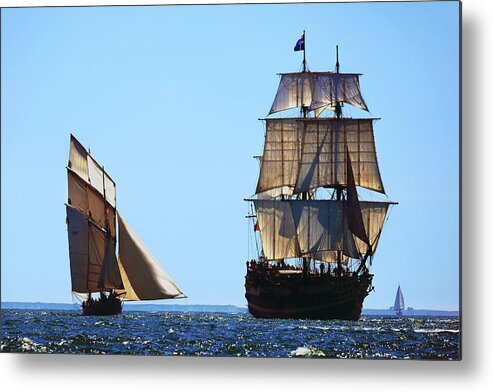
(317, 91)
(323, 154)
(304, 154)
(143, 276)
(87, 243)
(399, 300)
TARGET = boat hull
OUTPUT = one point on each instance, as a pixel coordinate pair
(106, 307)
(312, 297)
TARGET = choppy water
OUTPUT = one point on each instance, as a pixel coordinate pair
(224, 334)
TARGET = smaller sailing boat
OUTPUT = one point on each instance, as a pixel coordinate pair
(92, 220)
(399, 302)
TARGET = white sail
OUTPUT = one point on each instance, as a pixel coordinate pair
(143, 277)
(277, 229)
(330, 88)
(280, 160)
(317, 91)
(321, 225)
(399, 300)
(295, 90)
(304, 228)
(323, 154)
(374, 214)
(304, 154)
(81, 163)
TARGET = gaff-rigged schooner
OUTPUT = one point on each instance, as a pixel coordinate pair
(399, 302)
(92, 235)
(314, 251)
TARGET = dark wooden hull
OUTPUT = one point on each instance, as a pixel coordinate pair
(106, 307)
(307, 297)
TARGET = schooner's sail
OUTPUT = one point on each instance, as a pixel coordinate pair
(143, 276)
(329, 239)
(92, 232)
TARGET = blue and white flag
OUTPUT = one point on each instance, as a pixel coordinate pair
(300, 45)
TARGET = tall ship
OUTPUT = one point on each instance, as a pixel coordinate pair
(315, 239)
(399, 302)
(101, 279)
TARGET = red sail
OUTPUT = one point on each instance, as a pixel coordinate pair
(353, 210)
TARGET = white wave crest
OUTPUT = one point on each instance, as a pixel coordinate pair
(307, 352)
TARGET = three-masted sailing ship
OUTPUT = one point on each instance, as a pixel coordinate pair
(100, 277)
(316, 237)
(399, 302)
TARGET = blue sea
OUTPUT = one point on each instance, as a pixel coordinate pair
(228, 334)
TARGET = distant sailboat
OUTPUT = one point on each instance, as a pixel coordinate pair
(399, 302)
(93, 220)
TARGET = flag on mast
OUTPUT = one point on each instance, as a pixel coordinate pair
(300, 45)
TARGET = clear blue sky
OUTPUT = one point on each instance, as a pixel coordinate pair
(168, 98)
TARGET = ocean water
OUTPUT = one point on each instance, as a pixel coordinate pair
(229, 334)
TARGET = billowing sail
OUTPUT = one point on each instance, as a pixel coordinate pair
(330, 88)
(280, 160)
(324, 146)
(374, 213)
(321, 225)
(88, 256)
(304, 228)
(143, 276)
(277, 229)
(304, 154)
(399, 300)
(317, 91)
(295, 91)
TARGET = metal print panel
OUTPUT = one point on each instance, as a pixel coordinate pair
(339, 239)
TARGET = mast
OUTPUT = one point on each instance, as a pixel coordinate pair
(304, 113)
(337, 58)
(338, 112)
(304, 109)
(107, 237)
(304, 51)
